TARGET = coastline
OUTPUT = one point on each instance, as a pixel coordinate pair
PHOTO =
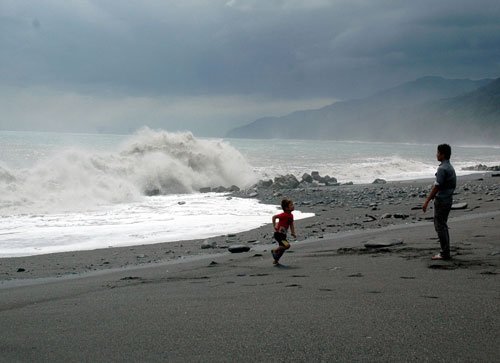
(337, 209)
(333, 299)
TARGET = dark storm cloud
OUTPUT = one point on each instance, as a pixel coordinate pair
(272, 47)
(260, 51)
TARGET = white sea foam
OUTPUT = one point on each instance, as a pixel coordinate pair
(150, 162)
(154, 219)
(62, 192)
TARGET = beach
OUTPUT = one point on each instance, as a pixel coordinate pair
(333, 299)
(150, 152)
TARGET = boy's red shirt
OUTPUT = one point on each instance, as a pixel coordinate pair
(285, 220)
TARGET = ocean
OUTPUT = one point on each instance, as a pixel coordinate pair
(66, 192)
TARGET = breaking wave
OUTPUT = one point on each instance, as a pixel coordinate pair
(149, 162)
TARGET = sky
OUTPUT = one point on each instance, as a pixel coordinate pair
(210, 65)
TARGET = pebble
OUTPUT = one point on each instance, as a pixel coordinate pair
(457, 206)
(400, 216)
(208, 244)
(238, 248)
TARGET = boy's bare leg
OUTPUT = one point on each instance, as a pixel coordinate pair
(277, 253)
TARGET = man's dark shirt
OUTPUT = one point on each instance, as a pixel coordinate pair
(446, 180)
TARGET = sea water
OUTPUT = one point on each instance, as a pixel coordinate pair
(65, 192)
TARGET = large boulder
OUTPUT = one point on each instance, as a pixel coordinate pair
(264, 183)
(307, 178)
(329, 180)
(288, 181)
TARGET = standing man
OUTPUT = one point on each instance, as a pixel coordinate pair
(442, 193)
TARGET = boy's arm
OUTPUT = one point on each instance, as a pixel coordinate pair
(292, 230)
(274, 221)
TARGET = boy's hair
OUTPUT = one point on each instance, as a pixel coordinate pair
(445, 149)
(285, 203)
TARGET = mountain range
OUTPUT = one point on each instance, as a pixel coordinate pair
(429, 109)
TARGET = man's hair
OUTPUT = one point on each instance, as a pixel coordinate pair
(445, 149)
(285, 203)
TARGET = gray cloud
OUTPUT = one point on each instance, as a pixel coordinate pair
(276, 49)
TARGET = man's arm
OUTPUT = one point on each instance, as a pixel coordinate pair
(431, 196)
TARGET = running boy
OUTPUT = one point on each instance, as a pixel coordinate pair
(285, 220)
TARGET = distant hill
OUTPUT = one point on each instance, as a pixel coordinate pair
(429, 109)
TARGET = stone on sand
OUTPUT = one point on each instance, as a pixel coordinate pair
(457, 206)
(238, 248)
(208, 244)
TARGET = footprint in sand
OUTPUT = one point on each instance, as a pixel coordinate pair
(131, 278)
(488, 273)
(356, 275)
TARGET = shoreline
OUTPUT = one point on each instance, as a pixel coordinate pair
(257, 249)
(337, 209)
(333, 299)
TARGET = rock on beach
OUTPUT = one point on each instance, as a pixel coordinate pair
(238, 248)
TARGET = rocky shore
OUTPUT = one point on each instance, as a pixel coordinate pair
(337, 208)
(357, 285)
(482, 167)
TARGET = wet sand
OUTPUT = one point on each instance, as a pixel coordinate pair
(333, 300)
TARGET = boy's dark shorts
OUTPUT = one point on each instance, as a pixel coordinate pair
(281, 239)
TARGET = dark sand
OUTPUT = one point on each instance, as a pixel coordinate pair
(333, 300)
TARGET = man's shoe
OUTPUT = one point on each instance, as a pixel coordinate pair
(440, 257)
